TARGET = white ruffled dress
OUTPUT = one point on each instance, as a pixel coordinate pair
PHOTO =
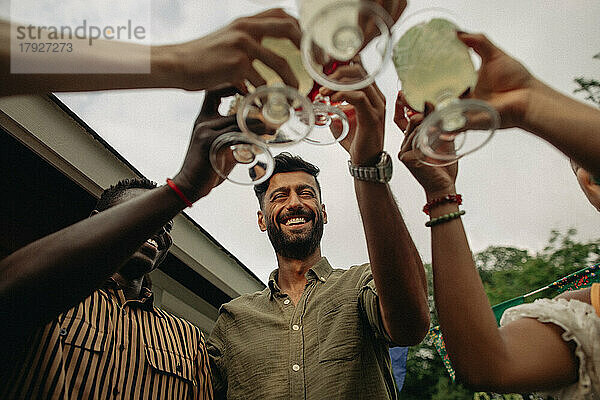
(580, 324)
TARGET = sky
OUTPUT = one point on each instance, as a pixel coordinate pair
(515, 190)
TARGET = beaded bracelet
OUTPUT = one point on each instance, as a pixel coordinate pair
(449, 198)
(444, 218)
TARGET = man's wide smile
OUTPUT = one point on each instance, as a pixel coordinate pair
(295, 221)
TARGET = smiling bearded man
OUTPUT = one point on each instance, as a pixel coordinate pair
(316, 332)
(297, 243)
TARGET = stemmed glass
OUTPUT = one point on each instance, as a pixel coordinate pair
(435, 67)
(274, 115)
(345, 32)
(326, 114)
(335, 33)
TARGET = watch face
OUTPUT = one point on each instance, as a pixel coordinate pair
(384, 158)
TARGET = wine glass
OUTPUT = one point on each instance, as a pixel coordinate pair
(241, 159)
(435, 67)
(271, 115)
(346, 32)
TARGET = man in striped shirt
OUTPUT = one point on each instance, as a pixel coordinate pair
(63, 338)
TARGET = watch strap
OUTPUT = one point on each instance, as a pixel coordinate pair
(380, 172)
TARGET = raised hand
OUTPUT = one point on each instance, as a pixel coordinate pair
(197, 177)
(366, 114)
(503, 81)
(224, 58)
(437, 181)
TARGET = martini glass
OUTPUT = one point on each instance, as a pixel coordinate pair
(435, 67)
(346, 32)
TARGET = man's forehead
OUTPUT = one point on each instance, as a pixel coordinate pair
(291, 180)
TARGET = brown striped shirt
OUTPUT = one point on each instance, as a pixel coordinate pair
(108, 347)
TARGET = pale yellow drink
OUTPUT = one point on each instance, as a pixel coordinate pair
(284, 48)
(432, 64)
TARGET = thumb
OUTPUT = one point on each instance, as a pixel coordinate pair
(480, 43)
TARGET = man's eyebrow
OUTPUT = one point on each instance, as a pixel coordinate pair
(306, 186)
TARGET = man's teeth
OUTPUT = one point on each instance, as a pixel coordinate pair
(152, 242)
(294, 221)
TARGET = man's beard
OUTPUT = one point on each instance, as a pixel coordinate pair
(297, 247)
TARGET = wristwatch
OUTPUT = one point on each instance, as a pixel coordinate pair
(381, 172)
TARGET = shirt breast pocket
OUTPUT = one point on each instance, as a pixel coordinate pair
(339, 328)
(81, 334)
(171, 363)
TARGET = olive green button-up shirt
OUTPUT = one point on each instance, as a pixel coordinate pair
(331, 345)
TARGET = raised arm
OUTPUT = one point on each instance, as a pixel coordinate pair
(525, 355)
(526, 102)
(395, 263)
(222, 58)
(65, 267)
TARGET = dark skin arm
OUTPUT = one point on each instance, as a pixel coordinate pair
(65, 267)
(220, 59)
(525, 102)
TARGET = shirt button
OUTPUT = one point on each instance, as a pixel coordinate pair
(296, 367)
(63, 332)
(122, 347)
(286, 301)
(295, 327)
(115, 391)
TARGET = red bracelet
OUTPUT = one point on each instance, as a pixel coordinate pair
(449, 198)
(173, 186)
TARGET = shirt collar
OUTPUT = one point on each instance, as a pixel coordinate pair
(320, 271)
(145, 301)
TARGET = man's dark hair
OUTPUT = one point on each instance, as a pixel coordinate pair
(285, 162)
(113, 193)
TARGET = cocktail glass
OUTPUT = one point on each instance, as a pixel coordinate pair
(346, 32)
(435, 67)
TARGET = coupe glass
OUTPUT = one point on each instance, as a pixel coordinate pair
(346, 32)
(435, 67)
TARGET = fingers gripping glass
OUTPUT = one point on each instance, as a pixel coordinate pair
(269, 116)
(435, 67)
(349, 32)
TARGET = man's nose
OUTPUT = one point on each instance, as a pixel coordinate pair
(294, 201)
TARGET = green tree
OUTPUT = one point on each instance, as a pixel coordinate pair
(590, 87)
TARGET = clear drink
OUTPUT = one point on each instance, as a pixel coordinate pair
(432, 64)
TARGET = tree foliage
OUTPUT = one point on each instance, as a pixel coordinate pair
(590, 87)
(506, 272)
